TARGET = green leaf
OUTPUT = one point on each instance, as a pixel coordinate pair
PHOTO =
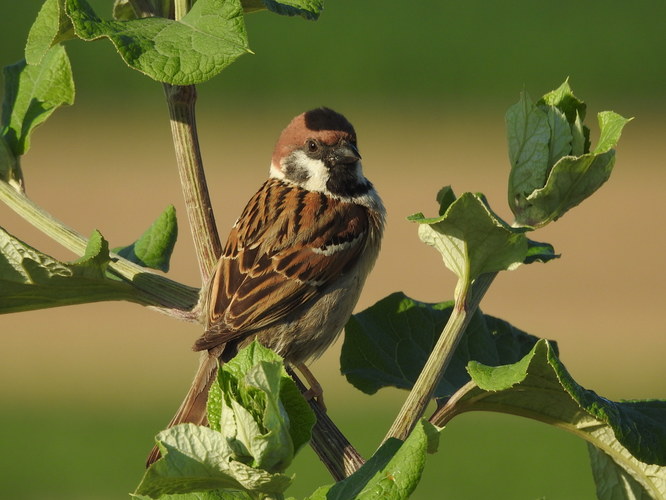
(539, 252)
(393, 471)
(301, 417)
(389, 343)
(193, 461)
(32, 94)
(611, 125)
(560, 135)
(539, 387)
(31, 280)
(155, 246)
(50, 27)
(564, 99)
(96, 258)
(552, 169)
(250, 440)
(528, 136)
(471, 238)
(571, 181)
(613, 482)
(580, 140)
(206, 40)
(309, 9)
(259, 409)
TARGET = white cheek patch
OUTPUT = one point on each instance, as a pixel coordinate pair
(316, 171)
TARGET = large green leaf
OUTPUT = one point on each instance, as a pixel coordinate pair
(32, 94)
(153, 249)
(206, 40)
(631, 433)
(392, 472)
(389, 343)
(31, 280)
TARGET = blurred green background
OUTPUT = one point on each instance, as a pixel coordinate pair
(426, 84)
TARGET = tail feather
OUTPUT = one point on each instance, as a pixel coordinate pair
(193, 407)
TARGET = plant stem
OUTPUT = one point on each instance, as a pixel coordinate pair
(444, 413)
(181, 101)
(168, 296)
(329, 443)
(467, 301)
(180, 8)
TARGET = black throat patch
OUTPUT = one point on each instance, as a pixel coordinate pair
(343, 181)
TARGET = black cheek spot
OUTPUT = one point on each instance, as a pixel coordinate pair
(294, 172)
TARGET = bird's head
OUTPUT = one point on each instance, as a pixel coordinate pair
(318, 152)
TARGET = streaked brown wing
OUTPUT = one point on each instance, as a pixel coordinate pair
(286, 245)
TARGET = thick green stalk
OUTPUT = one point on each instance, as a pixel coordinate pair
(180, 8)
(168, 296)
(181, 101)
(467, 301)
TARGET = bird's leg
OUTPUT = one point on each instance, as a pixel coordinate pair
(315, 391)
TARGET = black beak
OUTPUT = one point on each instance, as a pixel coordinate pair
(345, 153)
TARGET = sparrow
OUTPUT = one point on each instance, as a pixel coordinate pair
(295, 260)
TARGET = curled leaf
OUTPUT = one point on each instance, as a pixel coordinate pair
(552, 168)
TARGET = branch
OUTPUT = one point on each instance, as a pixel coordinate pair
(170, 297)
(181, 101)
(415, 405)
(334, 450)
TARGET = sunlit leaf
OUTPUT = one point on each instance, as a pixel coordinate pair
(392, 472)
(153, 249)
(206, 40)
(32, 94)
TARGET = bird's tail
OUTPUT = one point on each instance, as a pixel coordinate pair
(193, 407)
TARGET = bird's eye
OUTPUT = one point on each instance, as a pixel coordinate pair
(312, 146)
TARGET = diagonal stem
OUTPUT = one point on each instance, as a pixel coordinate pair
(415, 405)
(329, 443)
